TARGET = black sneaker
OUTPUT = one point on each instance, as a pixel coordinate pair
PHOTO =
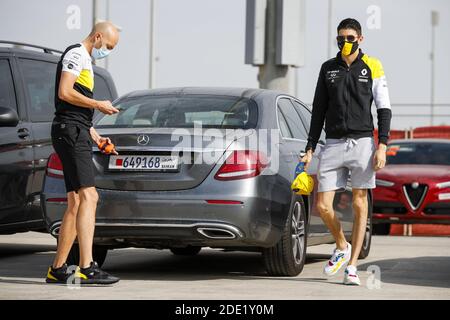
(59, 275)
(94, 275)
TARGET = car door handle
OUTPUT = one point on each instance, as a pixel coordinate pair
(23, 133)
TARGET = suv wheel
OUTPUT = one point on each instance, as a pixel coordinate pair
(287, 257)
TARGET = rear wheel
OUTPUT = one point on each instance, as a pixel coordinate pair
(382, 229)
(98, 253)
(287, 257)
(186, 251)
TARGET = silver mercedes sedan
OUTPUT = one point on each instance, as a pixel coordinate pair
(204, 167)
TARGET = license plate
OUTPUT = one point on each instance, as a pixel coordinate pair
(136, 162)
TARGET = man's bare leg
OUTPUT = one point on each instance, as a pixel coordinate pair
(86, 224)
(360, 209)
(68, 231)
(325, 207)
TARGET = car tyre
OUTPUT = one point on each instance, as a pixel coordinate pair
(287, 257)
(382, 229)
(186, 251)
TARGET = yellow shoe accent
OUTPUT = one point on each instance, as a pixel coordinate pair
(78, 274)
(49, 275)
(337, 266)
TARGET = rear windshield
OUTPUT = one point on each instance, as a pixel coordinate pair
(419, 153)
(209, 111)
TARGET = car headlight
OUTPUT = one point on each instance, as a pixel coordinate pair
(442, 185)
(384, 183)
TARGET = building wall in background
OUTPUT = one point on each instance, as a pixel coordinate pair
(201, 43)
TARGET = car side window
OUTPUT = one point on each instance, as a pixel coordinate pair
(39, 77)
(101, 88)
(282, 124)
(305, 114)
(7, 92)
(293, 120)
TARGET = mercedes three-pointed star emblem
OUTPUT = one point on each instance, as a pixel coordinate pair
(143, 139)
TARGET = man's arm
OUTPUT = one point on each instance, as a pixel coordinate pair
(99, 139)
(95, 135)
(319, 109)
(67, 93)
(380, 94)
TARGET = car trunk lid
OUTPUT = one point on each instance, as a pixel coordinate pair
(198, 153)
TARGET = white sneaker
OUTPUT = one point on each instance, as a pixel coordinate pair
(337, 260)
(351, 276)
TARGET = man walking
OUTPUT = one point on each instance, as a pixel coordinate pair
(346, 88)
(71, 133)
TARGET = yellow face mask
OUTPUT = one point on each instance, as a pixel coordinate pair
(347, 48)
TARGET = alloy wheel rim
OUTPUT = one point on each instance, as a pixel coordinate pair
(297, 233)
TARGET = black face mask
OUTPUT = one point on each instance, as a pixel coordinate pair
(348, 48)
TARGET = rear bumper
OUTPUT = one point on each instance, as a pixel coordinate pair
(180, 218)
(151, 234)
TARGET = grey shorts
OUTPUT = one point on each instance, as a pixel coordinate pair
(341, 159)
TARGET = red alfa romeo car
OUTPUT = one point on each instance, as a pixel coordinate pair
(414, 187)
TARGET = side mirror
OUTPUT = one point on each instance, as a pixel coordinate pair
(321, 142)
(8, 117)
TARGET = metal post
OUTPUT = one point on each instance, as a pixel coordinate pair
(95, 11)
(434, 23)
(330, 27)
(271, 75)
(100, 13)
(151, 67)
(107, 18)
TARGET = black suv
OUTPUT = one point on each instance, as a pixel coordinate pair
(27, 88)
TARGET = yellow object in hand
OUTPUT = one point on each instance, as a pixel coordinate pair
(303, 184)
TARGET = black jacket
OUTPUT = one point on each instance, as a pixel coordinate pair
(344, 97)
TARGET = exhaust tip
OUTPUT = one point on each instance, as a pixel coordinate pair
(216, 233)
(55, 228)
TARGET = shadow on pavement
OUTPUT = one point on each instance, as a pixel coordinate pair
(12, 249)
(418, 271)
(207, 265)
(31, 262)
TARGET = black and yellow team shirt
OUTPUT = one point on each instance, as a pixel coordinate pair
(343, 100)
(76, 60)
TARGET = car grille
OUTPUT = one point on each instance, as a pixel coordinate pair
(438, 209)
(389, 208)
(415, 196)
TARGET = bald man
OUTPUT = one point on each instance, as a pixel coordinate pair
(72, 135)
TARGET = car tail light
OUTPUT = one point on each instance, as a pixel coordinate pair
(54, 166)
(242, 164)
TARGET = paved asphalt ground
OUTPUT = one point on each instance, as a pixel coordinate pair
(409, 268)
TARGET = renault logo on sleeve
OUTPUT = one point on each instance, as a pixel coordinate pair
(364, 72)
(143, 139)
